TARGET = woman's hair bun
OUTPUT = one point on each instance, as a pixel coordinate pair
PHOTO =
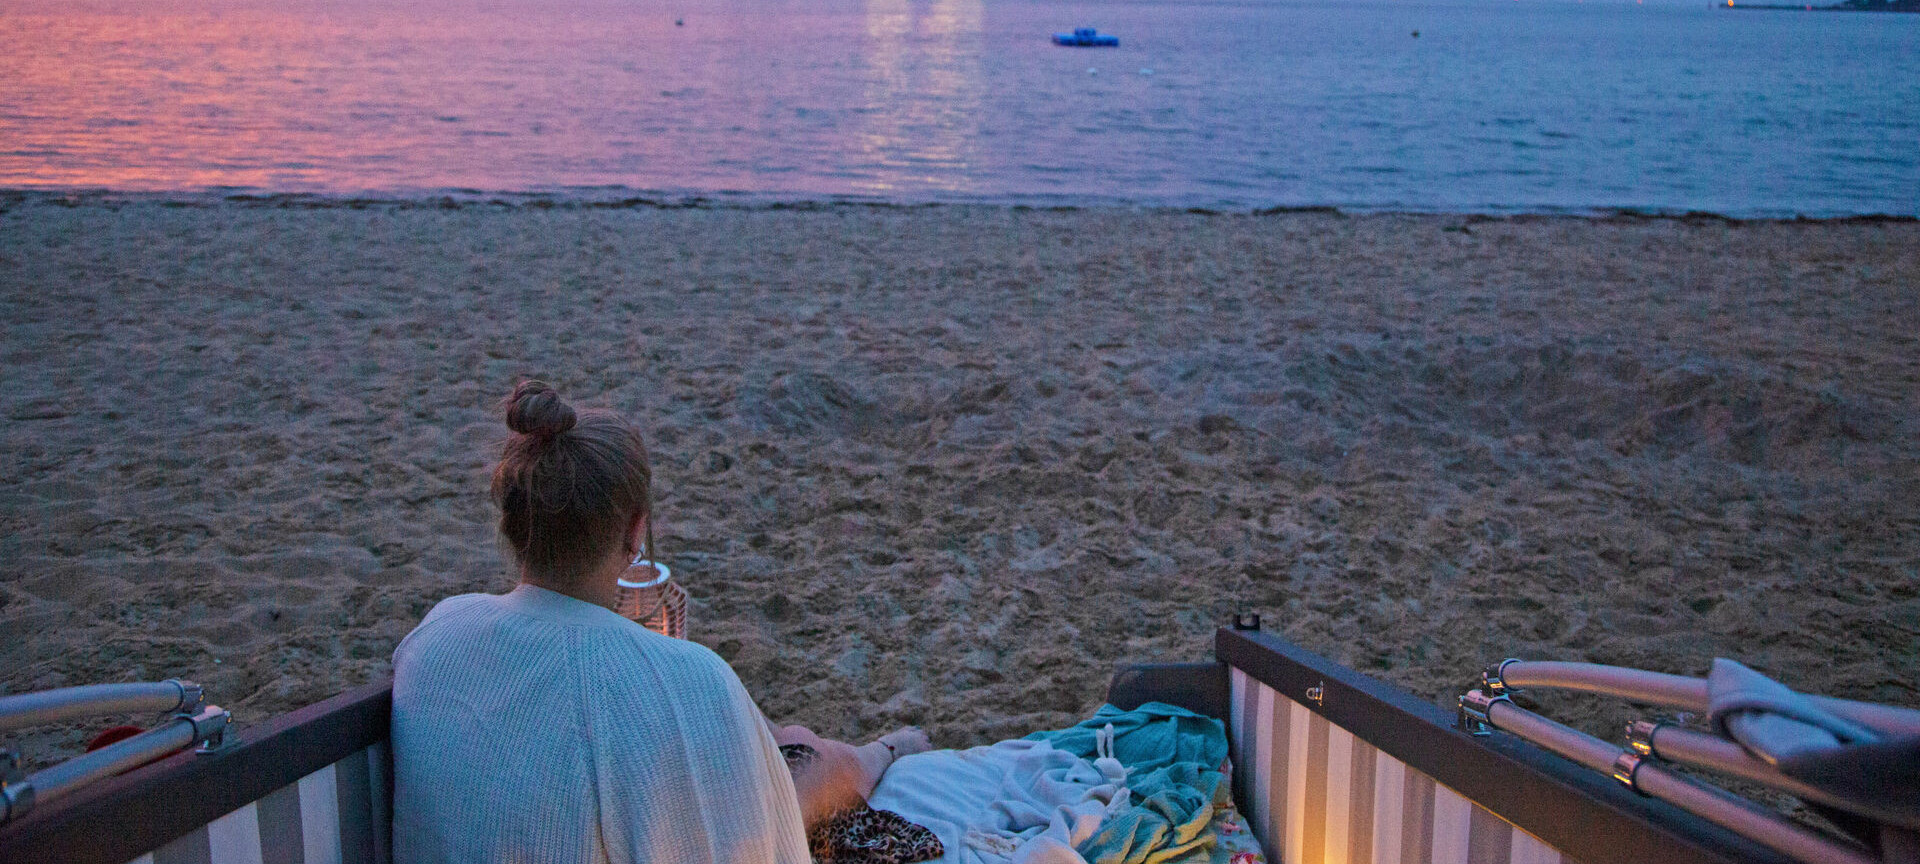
(535, 408)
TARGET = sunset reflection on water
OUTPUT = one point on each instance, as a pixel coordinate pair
(925, 60)
(1496, 106)
(140, 100)
(383, 97)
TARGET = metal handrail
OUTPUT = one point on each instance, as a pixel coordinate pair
(1658, 688)
(1674, 691)
(178, 734)
(94, 700)
(1649, 778)
(192, 723)
(118, 820)
(1701, 750)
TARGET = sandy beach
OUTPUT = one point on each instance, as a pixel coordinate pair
(949, 465)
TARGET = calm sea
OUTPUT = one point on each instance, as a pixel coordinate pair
(1496, 105)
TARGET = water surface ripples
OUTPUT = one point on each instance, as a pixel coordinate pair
(1494, 106)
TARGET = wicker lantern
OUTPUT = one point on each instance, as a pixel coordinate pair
(650, 597)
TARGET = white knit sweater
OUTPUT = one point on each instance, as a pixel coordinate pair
(534, 727)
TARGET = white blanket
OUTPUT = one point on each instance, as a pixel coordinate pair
(1015, 802)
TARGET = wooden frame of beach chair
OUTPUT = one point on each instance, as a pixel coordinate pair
(1334, 766)
(1329, 766)
(311, 786)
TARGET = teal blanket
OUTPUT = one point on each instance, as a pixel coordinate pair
(1173, 757)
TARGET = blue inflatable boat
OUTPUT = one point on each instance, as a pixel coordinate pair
(1086, 37)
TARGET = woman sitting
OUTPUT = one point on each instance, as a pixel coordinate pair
(539, 725)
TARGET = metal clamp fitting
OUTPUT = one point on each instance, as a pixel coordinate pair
(16, 792)
(191, 695)
(209, 727)
(1624, 768)
(1475, 706)
(1493, 678)
(1640, 736)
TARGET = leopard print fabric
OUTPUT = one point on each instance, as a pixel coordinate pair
(864, 835)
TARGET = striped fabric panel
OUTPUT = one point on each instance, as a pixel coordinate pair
(280, 827)
(1314, 792)
(1239, 716)
(336, 815)
(1298, 734)
(380, 802)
